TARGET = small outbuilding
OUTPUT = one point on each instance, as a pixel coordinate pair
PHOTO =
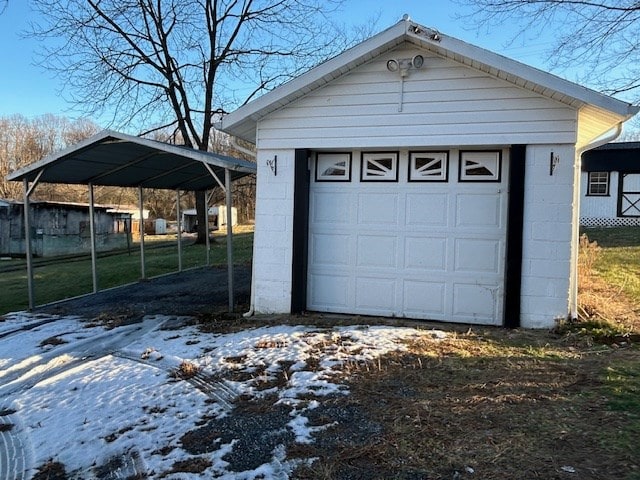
(61, 228)
(611, 186)
(418, 176)
(217, 218)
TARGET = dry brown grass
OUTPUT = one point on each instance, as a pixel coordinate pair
(599, 301)
(192, 465)
(186, 370)
(501, 404)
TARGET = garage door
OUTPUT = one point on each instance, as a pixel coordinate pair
(417, 234)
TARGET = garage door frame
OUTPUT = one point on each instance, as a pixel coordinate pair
(514, 234)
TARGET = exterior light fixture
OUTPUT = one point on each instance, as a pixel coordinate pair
(428, 33)
(403, 65)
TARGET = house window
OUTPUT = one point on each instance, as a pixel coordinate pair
(598, 184)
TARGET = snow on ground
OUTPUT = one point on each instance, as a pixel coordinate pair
(100, 394)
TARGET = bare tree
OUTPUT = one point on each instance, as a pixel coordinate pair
(600, 36)
(24, 141)
(180, 64)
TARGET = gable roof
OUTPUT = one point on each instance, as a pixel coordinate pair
(242, 122)
(116, 159)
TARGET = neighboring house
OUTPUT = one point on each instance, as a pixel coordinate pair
(217, 218)
(611, 186)
(419, 176)
(60, 228)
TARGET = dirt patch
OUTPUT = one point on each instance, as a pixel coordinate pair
(193, 465)
(51, 471)
(52, 341)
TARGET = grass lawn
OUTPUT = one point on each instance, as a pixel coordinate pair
(619, 258)
(70, 277)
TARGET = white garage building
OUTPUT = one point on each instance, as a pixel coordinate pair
(418, 176)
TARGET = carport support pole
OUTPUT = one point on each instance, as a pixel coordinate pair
(179, 231)
(92, 231)
(227, 186)
(27, 243)
(207, 244)
(141, 206)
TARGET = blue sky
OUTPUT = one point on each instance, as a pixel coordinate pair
(31, 91)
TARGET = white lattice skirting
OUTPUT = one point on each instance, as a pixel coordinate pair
(610, 222)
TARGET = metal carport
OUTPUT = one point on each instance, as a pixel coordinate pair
(115, 159)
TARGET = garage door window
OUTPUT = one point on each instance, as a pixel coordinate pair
(482, 166)
(379, 167)
(428, 166)
(333, 167)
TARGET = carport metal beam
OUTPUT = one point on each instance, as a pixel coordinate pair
(141, 225)
(27, 242)
(227, 182)
(207, 200)
(27, 234)
(92, 230)
(227, 189)
(179, 230)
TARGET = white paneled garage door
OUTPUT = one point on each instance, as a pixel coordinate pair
(409, 234)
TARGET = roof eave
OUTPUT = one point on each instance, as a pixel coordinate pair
(509, 69)
(242, 122)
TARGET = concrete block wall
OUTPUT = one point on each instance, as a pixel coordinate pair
(273, 240)
(546, 264)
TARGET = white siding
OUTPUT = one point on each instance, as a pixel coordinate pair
(444, 103)
(546, 262)
(272, 250)
(599, 206)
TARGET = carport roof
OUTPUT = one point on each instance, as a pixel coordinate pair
(116, 159)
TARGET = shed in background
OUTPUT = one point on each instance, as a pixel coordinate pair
(61, 228)
(610, 185)
(217, 218)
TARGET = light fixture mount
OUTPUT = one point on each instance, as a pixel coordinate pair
(403, 65)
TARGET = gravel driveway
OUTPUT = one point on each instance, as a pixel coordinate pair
(190, 292)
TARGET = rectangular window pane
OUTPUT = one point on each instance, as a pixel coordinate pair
(598, 183)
